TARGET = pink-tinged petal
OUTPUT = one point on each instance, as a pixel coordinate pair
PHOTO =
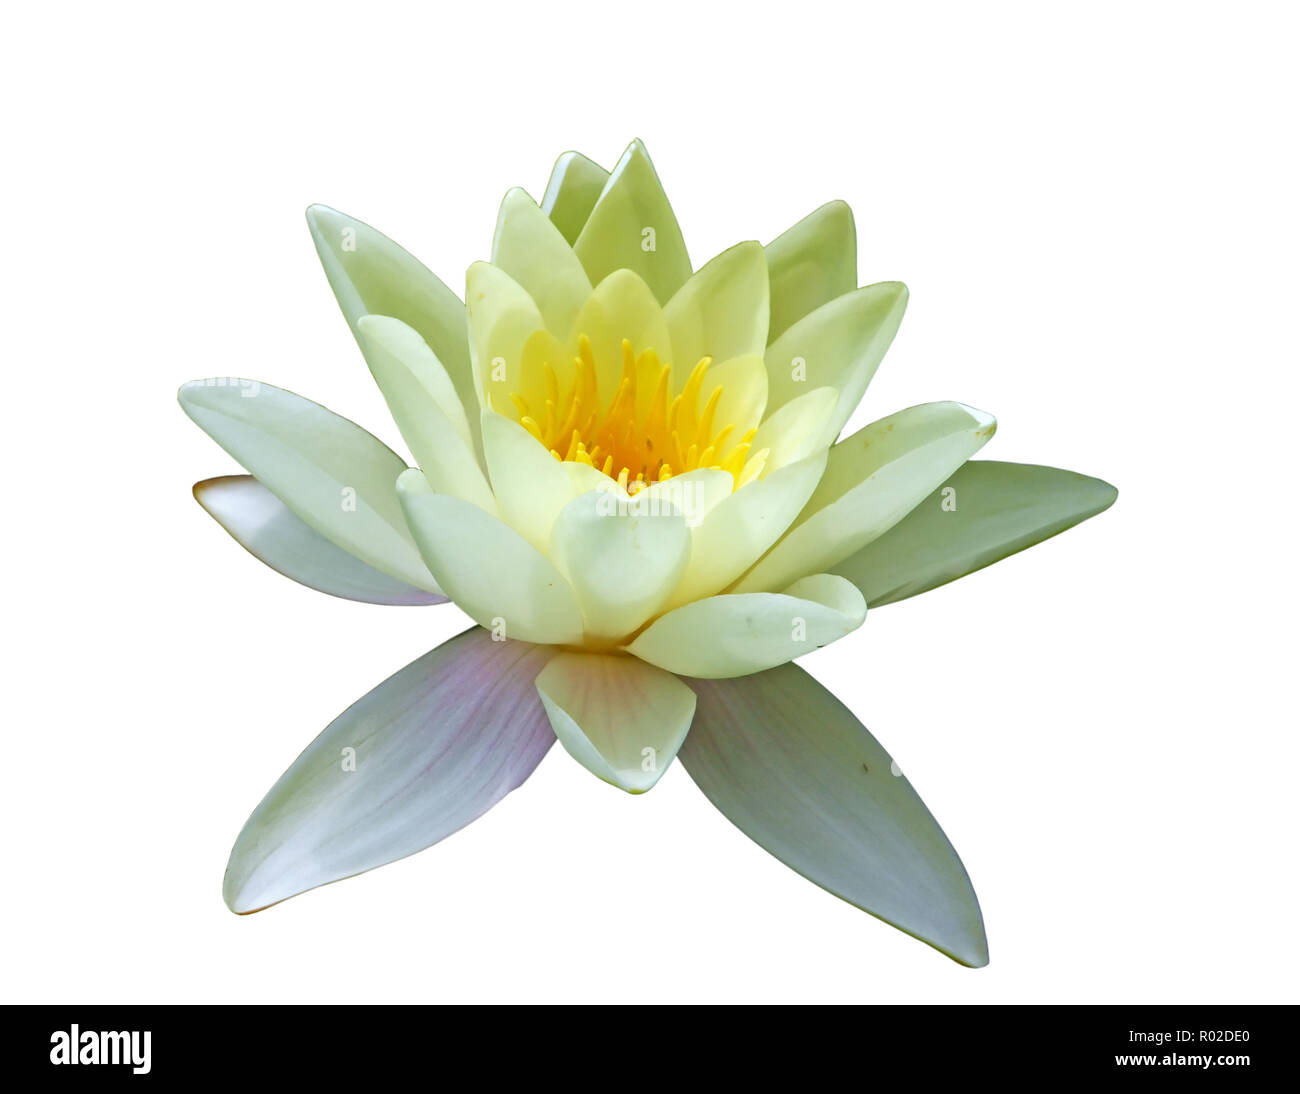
(790, 766)
(263, 525)
(429, 750)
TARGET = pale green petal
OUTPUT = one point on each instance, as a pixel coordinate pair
(576, 182)
(873, 480)
(622, 556)
(797, 429)
(534, 253)
(263, 525)
(840, 345)
(416, 361)
(622, 719)
(585, 479)
(491, 573)
(736, 634)
(984, 512)
(810, 264)
(794, 770)
(424, 405)
(694, 494)
(743, 525)
(372, 275)
(331, 473)
(633, 227)
(503, 319)
(419, 757)
(721, 312)
(531, 486)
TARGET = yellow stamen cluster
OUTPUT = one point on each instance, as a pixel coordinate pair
(669, 434)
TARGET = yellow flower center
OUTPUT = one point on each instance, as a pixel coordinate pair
(645, 434)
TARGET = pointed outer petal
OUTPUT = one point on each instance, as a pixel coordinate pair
(841, 345)
(810, 264)
(330, 472)
(793, 769)
(424, 405)
(873, 480)
(491, 573)
(262, 524)
(694, 494)
(734, 635)
(622, 307)
(370, 274)
(1001, 508)
(531, 486)
(534, 253)
(744, 525)
(721, 312)
(744, 392)
(623, 558)
(796, 429)
(435, 746)
(571, 193)
(616, 715)
(615, 236)
(502, 318)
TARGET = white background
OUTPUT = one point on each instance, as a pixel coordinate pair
(1096, 214)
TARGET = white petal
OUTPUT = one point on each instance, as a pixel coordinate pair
(422, 755)
(330, 472)
(736, 634)
(789, 766)
(263, 525)
(840, 345)
(873, 480)
(743, 525)
(491, 573)
(622, 719)
(424, 405)
(721, 312)
(533, 252)
(622, 556)
(372, 275)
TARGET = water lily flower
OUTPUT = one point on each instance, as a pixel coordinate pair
(628, 473)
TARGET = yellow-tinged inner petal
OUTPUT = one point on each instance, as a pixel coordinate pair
(644, 432)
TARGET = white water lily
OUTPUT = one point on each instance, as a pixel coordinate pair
(627, 473)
